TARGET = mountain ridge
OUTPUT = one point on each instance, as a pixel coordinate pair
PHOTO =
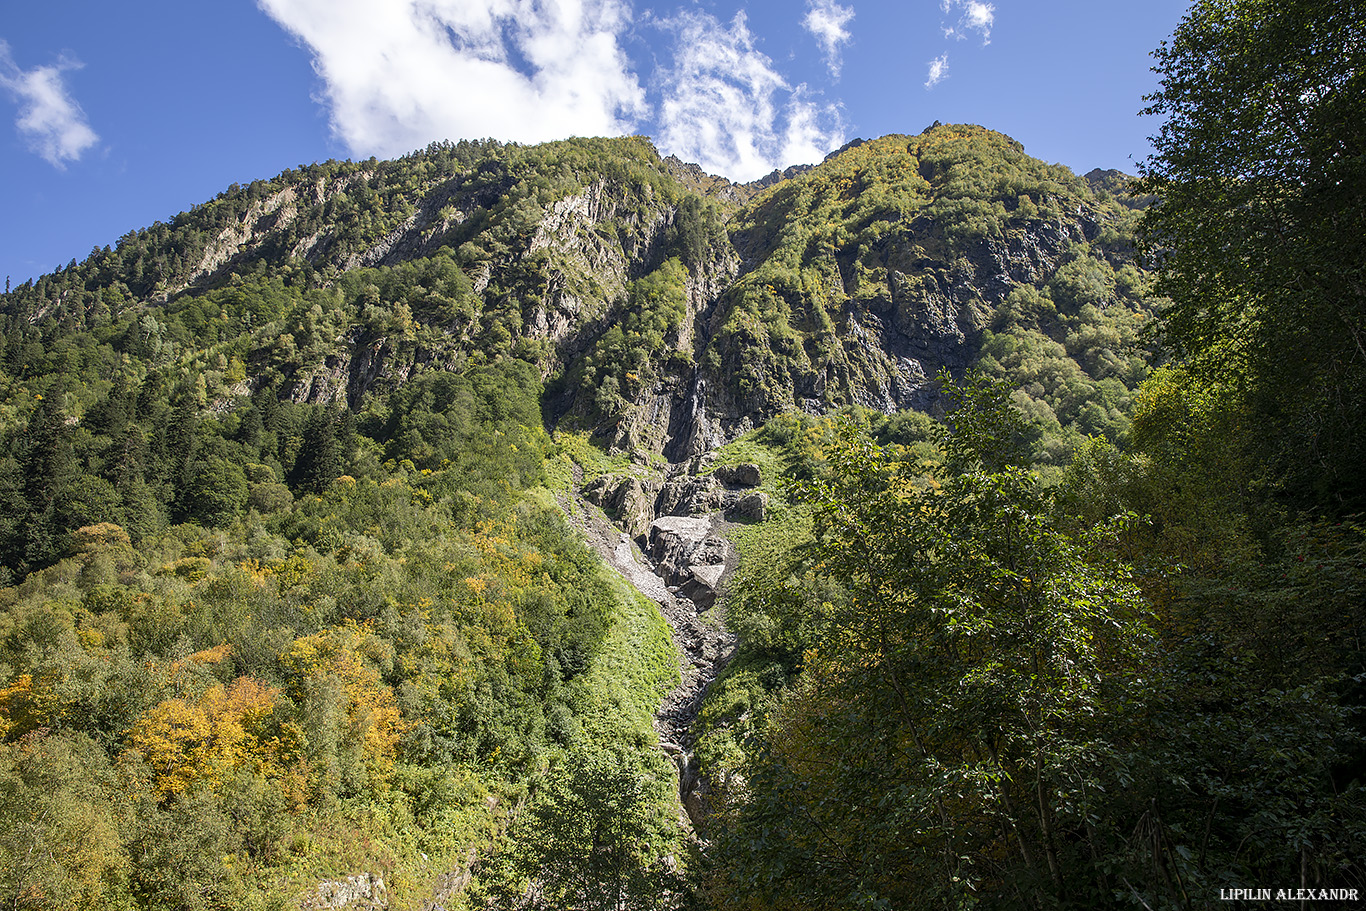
(663, 321)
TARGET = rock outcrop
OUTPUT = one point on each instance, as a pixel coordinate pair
(742, 475)
(690, 556)
(362, 892)
(682, 568)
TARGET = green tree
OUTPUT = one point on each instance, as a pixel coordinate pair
(217, 491)
(48, 467)
(320, 458)
(59, 834)
(1260, 227)
(952, 733)
(183, 855)
(597, 835)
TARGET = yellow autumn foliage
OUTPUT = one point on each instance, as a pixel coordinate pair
(191, 743)
(350, 653)
(27, 705)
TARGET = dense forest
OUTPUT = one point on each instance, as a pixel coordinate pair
(1055, 596)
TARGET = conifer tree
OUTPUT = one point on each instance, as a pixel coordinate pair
(47, 467)
(320, 460)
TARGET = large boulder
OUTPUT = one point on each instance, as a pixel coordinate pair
(749, 508)
(362, 892)
(673, 540)
(689, 557)
(743, 475)
(628, 499)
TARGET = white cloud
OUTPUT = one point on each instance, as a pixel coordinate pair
(973, 16)
(397, 75)
(53, 123)
(402, 73)
(726, 107)
(939, 71)
(828, 21)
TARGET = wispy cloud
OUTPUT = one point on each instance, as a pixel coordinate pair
(938, 72)
(828, 22)
(49, 119)
(972, 16)
(963, 17)
(400, 74)
(726, 107)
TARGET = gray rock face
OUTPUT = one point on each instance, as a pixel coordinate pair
(743, 475)
(690, 557)
(750, 508)
(363, 892)
(630, 500)
(673, 540)
(708, 576)
(689, 496)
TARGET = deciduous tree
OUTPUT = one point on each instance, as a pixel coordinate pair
(1260, 226)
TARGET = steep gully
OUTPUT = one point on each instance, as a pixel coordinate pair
(693, 551)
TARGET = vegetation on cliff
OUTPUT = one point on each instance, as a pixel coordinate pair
(910, 253)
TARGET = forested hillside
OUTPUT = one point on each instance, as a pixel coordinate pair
(1032, 502)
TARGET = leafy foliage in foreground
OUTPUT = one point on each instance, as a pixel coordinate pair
(955, 674)
(1260, 231)
(956, 684)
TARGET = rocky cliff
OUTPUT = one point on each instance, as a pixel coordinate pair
(668, 310)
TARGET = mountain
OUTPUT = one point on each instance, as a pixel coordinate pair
(294, 491)
(669, 311)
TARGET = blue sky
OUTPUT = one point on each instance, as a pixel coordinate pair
(113, 116)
